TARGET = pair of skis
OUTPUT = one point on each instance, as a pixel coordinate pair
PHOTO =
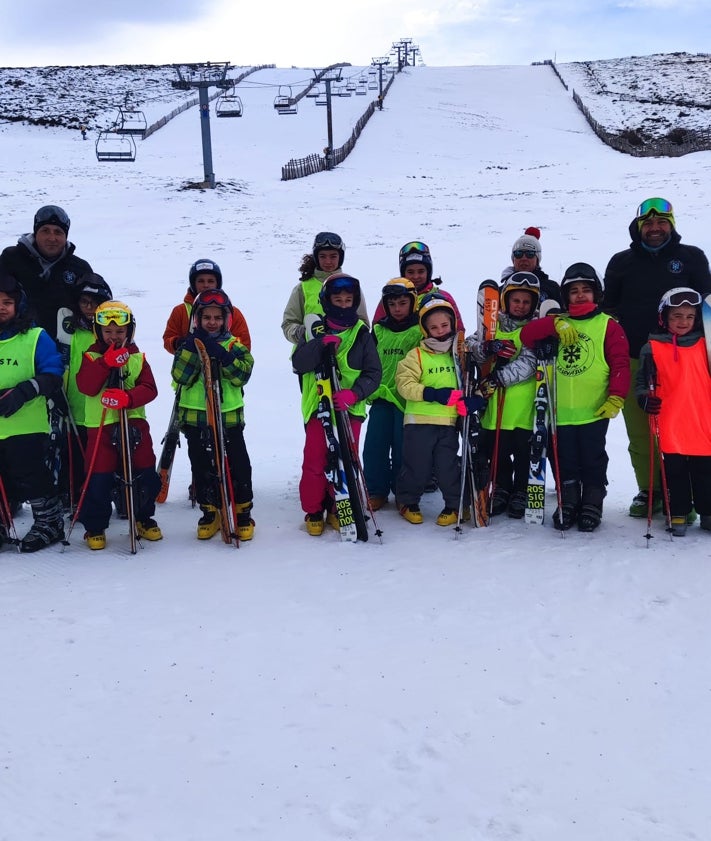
(343, 467)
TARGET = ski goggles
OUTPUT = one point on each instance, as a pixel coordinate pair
(415, 247)
(580, 271)
(212, 297)
(520, 252)
(342, 284)
(676, 298)
(112, 315)
(51, 214)
(661, 207)
(523, 280)
(326, 239)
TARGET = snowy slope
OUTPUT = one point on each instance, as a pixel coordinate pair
(511, 684)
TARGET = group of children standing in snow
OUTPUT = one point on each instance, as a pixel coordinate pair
(402, 374)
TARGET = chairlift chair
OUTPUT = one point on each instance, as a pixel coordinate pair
(362, 89)
(284, 101)
(112, 145)
(314, 92)
(321, 99)
(228, 105)
(373, 84)
(131, 121)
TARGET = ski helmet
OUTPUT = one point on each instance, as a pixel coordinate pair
(93, 284)
(204, 267)
(432, 303)
(675, 298)
(325, 240)
(13, 289)
(581, 272)
(211, 298)
(520, 281)
(416, 252)
(113, 312)
(396, 288)
(340, 282)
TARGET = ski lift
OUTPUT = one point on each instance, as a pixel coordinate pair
(362, 89)
(228, 105)
(131, 121)
(321, 99)
(112, 145)
(351, 86)
(284, 102)
(314, 92)
(373, 84)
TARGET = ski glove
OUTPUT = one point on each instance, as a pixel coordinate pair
(15, 398)
(503, 348)
(488, 386)
(116, 357)
(566, 331)
(115, 398)
(611, 407)
(333, 340)
(650, 403)
(445, 396)
(470, 405)
(344, 398)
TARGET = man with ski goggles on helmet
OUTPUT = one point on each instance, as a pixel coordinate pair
(635, 279)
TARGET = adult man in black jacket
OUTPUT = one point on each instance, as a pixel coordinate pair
(45, 264)
(635, 280)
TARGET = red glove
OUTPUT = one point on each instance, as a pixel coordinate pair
(344, 398)
(115, 398)
(116, 357)
(330, 339)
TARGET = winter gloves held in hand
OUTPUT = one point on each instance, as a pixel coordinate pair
(610, 408)
(15, 398)
(566, 331)
(116, 357)
(650, 403)
(445, 396)
(344, 399)
(115, 398)
(503, 348)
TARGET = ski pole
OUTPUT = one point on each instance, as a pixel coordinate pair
(501, 397)
(89, 472)
(654, 428)
(6, 516)
(551, 385)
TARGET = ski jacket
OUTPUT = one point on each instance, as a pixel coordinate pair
(304, 301)
(178, 325)
(678, 365)
(431, 287)
(636, 279)
(30, 355)
(393, 340)
(47, 284)
(93, 379)
(187, 372)
(423, 367)
(358, 361)
(596, 367)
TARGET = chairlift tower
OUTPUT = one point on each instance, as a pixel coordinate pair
(211, 74)
(380, 62)
(333, 75)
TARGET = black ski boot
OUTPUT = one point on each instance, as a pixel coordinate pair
(564, 518)
(48, 527)
(591, 508)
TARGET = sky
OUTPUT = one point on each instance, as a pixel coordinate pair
(508, 684)
(314, 33)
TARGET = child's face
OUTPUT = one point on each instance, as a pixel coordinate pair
(417, 273)
(438, 325)
(680, 320)
(580, 293)
(205, 280)
(212, 319)
(113, 334)
(398, 307)
(342, 299)
(88, 305)
(328, 259)
(7, 308)
(519, 303)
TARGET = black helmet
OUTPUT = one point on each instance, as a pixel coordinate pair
(327, 240)
(93, 284)
(211, 298)
(206, 267)
(581, 272)
(338, 281)
(416, 252)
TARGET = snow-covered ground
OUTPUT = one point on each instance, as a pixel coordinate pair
(509, 684)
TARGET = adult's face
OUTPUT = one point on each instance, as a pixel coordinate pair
(50, 241)
(526, 263)
(655, 231)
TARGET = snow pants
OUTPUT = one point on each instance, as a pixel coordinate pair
(314, 489)
(382, 449)
(427, 450)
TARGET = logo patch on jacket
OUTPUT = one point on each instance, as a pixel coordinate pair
(675, 266)
(69, 278)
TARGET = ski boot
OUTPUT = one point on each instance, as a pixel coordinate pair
(209, 523)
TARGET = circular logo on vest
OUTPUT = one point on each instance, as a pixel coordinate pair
(675, 266)
(575, 359)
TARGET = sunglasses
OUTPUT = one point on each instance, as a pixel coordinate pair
(414, 247)
(51, 213)
(328, 240)
(684, 296)
(518, 253)
(662, 207)
(119, 317)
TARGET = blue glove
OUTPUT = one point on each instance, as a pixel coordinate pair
(470, 405)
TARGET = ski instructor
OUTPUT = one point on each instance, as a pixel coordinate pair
(635, 281)
(45, 264)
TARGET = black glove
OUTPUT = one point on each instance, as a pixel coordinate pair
(503, 348)
(650, 403)
(470, 405)
(15, 398)
(445, 396)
